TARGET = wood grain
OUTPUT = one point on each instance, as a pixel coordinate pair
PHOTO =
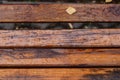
(61, 74)
(60, 38)
(59, 57)
(57, 13)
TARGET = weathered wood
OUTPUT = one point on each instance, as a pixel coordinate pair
(57, 13)
(60, 74)
(60, 38)
(59, 57)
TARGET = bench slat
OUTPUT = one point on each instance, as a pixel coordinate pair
(59, 57)
(57, 13)
(60, 38)
(60, 74)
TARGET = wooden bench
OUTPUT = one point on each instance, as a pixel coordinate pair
(74, 54)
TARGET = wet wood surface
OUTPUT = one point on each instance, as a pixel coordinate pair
(61, 74)
(57, 12)
(59, 57)
(60, 38)
(58, 42)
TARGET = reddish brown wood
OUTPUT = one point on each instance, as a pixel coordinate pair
(59, 57)
(60, 38)
(57, 13)
(60, 74)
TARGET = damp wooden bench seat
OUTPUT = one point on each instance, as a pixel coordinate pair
(73, 54)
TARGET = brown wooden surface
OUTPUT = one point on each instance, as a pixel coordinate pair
(59, 57)
(60, 38)
(57, 13)
(61, 74)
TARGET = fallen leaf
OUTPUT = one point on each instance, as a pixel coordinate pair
(108, 1)
(70, 10)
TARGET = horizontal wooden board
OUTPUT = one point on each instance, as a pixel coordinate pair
(57, 12)
(60, 38)
(61, 74)
(59, 57)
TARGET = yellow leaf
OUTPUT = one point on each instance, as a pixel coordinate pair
(71, 10)
(108, 1)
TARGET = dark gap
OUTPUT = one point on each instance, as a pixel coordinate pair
(47, 67)
(59, 26)
(103, 47)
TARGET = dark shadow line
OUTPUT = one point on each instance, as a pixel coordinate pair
(60, 47)
(48, 67)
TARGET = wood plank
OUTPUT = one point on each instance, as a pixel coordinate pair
(57, 13)
(61, 74)
(60, 38)
(59, 57)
